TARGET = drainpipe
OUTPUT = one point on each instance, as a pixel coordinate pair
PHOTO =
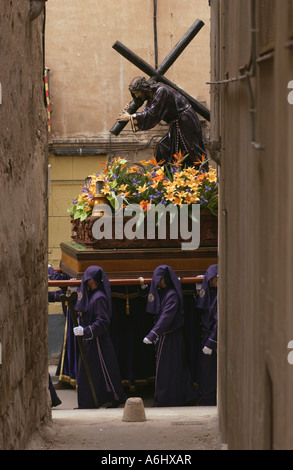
(155, 33)
(36, 8)
(214, 143)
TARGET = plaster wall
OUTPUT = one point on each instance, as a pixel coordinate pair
(25, 403)
(89, 79)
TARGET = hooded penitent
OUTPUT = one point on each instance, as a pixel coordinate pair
(207, 302)
(154, 299)
(95, 313)
(85, 295)
(173, 386)
(206, 295)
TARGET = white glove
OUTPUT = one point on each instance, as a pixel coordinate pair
(207, 350)
(147, 341)
(78, 331)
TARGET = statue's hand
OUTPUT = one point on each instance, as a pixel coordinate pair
(125, 117)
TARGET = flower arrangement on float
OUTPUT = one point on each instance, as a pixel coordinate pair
(149, 183)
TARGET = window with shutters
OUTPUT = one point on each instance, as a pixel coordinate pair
(266, 20)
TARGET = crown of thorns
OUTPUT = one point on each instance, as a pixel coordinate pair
(141, 83)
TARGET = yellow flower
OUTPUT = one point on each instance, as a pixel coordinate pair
(132, 169)
(169, 195)
(154, 184)
(212, 175)
(190, 198)
(181, 193)
(106, 189)
(142, 189)
(177, 200)
(82, 197)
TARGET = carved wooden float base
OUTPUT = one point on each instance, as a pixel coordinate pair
(132, 263)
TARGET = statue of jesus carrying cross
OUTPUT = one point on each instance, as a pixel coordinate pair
(165, 104)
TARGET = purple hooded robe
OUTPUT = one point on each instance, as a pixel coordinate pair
(207, 302)
(174, 386)
(67, 366)
(95, 309)
(185, 131)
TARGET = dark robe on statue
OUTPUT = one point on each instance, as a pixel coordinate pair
(185, 131)
(95, 311)
(207, 302)
(173, 386)
(67, 365)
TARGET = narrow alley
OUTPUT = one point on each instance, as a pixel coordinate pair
(182, 428)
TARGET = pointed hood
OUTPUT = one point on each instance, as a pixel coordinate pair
(205, 295)
(172, 281)
(84, 294)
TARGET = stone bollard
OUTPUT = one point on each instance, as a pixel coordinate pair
(134, 410)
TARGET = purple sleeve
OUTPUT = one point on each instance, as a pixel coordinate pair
(169, 311)
(212, 339)
(54, 296)
(101, 320)
(55, 275)
(152, 113)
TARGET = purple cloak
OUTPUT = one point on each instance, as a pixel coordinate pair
(173, 386)
(207, 302)
(185, 131)
(95, 309)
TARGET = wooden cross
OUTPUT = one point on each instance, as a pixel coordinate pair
(158, 73)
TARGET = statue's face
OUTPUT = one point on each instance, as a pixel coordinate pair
(139, 94)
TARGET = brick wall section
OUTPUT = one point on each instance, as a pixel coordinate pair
(24, 404)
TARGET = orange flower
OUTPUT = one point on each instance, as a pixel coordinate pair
(159, 177)
(201, 177)
(178, 157)
(153, 161)
(200, 161)
(144, 205)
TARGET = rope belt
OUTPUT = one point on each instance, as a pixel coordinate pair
(179, 133)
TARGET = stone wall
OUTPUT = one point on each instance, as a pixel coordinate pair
(24, 403)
